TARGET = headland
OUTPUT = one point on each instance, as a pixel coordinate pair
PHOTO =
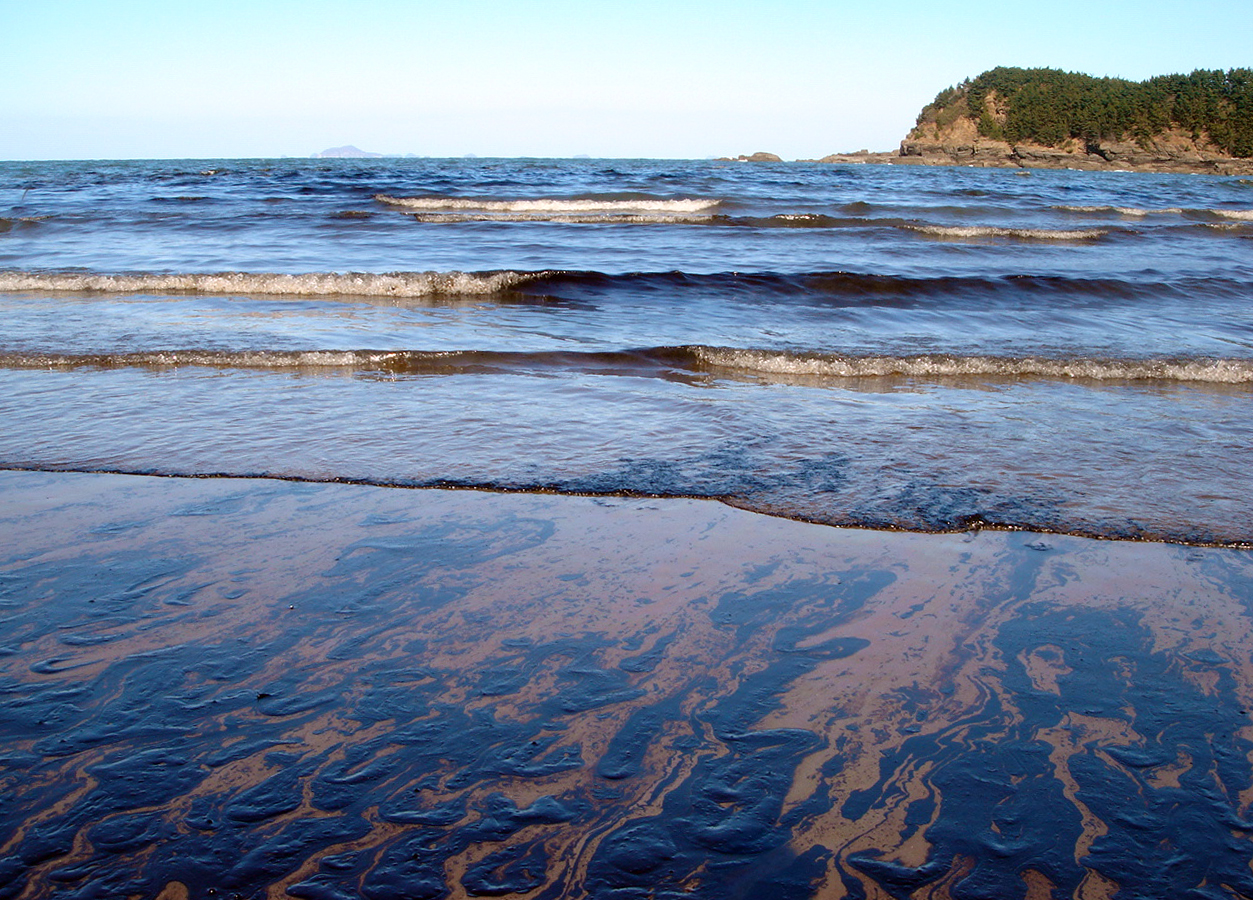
(1049, 119)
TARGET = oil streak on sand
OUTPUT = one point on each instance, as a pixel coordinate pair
(432, 693)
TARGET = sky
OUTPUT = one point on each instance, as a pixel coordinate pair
(117, 79)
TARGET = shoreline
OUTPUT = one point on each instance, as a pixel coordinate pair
(1044, 158)
(335, 690)
(968, 525)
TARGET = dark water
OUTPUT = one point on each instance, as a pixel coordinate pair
(879, 346)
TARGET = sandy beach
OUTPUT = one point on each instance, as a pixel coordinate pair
(219, 687)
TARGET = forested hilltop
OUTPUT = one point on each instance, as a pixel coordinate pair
(1047, 117)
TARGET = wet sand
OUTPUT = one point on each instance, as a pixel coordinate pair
(218, 688)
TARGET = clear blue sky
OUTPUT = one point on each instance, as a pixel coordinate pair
(683, 78)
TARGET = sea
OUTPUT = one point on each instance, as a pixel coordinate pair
(877, 346)
(485, 546)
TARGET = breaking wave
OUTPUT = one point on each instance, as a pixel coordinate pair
(1240, 215)
(546, 205)
(361, 284)
(663, 361)
(1132, 211)
(826, 287)
(1027, 234)
(766, 362)
(561, 218)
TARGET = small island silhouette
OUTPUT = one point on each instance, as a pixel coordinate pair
(348, 151)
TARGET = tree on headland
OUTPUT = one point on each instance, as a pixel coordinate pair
(1051, 107)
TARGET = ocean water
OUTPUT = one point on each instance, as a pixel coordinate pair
(877, 346)
(224, 686)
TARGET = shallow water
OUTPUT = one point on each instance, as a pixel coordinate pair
(235, 688)
(920, 348)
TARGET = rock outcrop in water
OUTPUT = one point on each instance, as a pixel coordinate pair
(759, 156)
(1044, 118)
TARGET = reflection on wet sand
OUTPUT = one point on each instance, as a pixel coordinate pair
(217, 688)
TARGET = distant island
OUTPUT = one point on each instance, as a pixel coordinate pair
(348, 151)
(1047, 118)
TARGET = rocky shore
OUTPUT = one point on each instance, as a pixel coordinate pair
(1169, 152)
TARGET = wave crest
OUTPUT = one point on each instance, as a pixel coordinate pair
(360, 284)
(561, 218)
(1131, 211)
(1028, 234)
(1240, 215)
(1211, 370)
(664, 362)
(549, 205)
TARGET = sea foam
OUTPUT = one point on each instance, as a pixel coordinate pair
(549, 205)
(362, 284)
(1242, 215)
(1029, 234)
(658, 361)
(1215, 371)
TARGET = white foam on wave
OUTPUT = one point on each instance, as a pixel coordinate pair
(1030, 234)
(762, 363)
(360, 284)
(1214, 371)
(1242, 215)
(549, 205)
(1130, 211)
(244, 359)
(560, 218)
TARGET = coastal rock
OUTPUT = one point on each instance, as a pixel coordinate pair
(960, 144)
(759, 156)
(860, 157)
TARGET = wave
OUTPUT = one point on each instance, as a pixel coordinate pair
(702, 211)
(1027, 234)
(1132, 211)
(8, 224)
(561, 218)
(664, 361)
(360, 284)
(860, 288)
(550, 205)
(441, 211)
(1241, 215)
(766, 362)
(574, 285)
(921, 508)
(781, 220)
